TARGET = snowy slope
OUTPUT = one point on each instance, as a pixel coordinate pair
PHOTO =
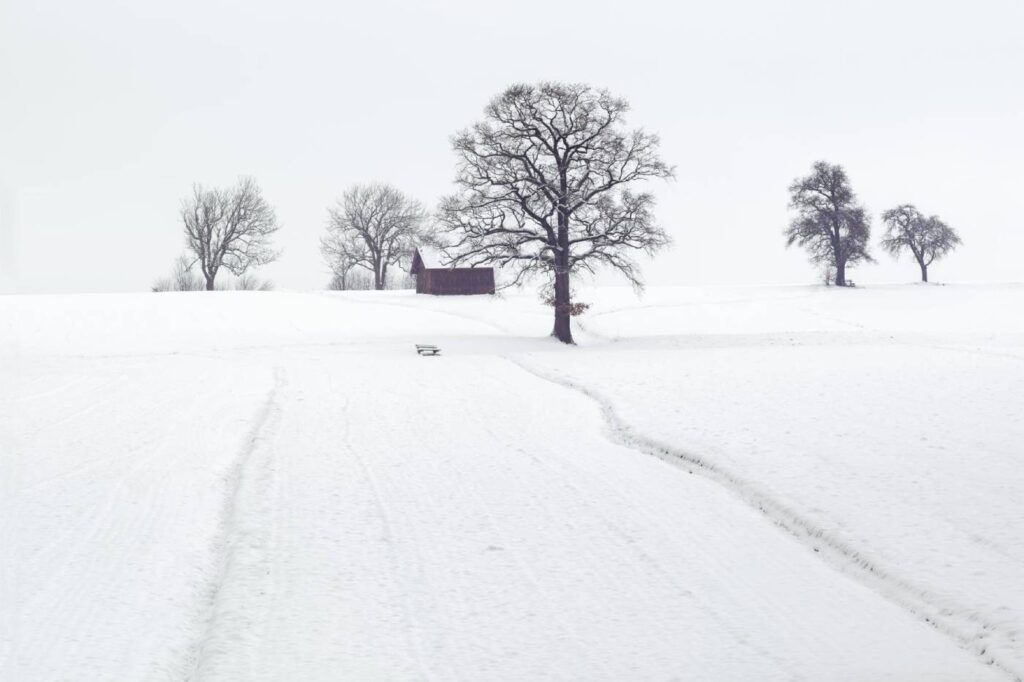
(885, 426)
(274, 486)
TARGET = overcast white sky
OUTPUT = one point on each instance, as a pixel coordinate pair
(111, 109)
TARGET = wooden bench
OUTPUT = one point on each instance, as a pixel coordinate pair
(427, 350)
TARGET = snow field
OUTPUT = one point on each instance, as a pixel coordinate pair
(274, 486)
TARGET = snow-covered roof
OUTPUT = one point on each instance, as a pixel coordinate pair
(431, 258)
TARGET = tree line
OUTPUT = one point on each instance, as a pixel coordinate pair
(836, 230)
(549, 184)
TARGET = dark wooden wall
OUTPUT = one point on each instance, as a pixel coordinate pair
(455, 282)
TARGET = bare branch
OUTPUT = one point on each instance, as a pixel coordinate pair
(544, 188)
(927, 238)
(829, 223)
(373, 227)
(229, 228)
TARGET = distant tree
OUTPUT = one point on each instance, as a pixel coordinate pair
(401, 280)
(373, 227)
(544, 189)
(341, 250)
(250, 282)
(357, 280)
(182, 278)
(161, 285)
(927, 238)
(362, 280)
(229, 228)
(337, 283)
(829, 223)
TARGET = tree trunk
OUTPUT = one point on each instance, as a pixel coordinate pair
(924, 272)
(841, 274)
(563, 297)
(209, 282)
(563, 326)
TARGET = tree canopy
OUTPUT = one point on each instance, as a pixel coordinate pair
(829, 223)
(229, 228)
(373, 227)
(926, 238)
(545, 187)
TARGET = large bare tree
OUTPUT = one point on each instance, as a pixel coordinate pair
(830, 224)
(373, 227)
(545, 189)
(927, 238)
(229, 228)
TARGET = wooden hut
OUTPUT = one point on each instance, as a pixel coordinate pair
(433, 278)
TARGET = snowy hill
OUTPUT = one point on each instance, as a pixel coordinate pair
(716, 484)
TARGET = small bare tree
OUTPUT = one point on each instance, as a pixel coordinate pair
(544, 182)
(342, 250)
(830, 223)
(162, 285)
(182, 278)
(357, 280)
(250, 282)
(927, 238)
(229, 228)
(373, 227)
(337, 283)
(362, 280)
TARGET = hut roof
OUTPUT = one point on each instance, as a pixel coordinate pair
(425, 258)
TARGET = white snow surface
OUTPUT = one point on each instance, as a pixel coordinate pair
(793, 483)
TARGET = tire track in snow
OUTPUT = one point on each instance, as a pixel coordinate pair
(523, 564)
(390, 536)
(570, 475)
(229, 539)
(971, 630)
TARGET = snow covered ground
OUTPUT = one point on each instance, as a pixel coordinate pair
(716, 484)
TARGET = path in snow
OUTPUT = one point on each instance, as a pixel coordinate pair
(990, 637)
(112, 491)
(882, 426)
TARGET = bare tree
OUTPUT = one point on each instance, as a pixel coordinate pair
(229, 228)
(544, 184)
(927, 238)
(359, 280)
(362, 280)
(162, 285)
(182, 278)
(830, 223)
(337, 283)
(342, 250)
(401, 280)
(373, 227)
(250, 282)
